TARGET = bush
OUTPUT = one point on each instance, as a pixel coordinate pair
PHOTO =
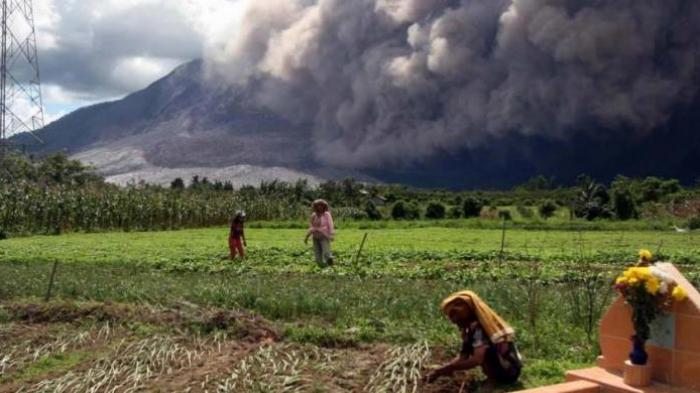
(455, 212)
(505, 215)
(524, 211)
(435, 211)
(372, 212)
(472, 207)
(547, 209)
(694, 223)
(412, 211)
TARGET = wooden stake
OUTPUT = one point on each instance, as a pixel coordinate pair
(503, 239)
(51, 279)
(359, 251)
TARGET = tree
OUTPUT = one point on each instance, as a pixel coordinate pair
(398, 211)
(435, 211)
(547, 209)
(177, 184)
(591, 199)
(624, 204)
(372, 212)
(472, 206)
(195, 181)
(405, 211)
(539, 183)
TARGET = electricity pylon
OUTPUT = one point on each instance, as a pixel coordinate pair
(20, 86)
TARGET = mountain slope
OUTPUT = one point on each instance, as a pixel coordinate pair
(180, 121)
(184, 124)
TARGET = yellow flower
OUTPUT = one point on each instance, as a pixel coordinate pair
(645, 255)
(653, 285)
(633, 280)
(621, 280)
(640, 273)
(679, 293)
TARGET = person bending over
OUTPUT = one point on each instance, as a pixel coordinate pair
(487, 340)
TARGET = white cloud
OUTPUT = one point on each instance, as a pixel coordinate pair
(101, 49)
(136, 72)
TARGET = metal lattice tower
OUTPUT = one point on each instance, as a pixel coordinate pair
(20, 87)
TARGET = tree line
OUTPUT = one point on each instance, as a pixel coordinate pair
(55, 194)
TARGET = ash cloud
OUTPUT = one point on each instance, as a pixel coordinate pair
(396, 81)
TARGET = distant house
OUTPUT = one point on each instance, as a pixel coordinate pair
(379, 200)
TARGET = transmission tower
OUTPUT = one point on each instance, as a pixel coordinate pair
(20, 87)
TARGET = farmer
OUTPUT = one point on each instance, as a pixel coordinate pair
(487, 340)
(236, 236)
(322, 231)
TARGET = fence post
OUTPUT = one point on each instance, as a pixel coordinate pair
(503, 239)
(51, 279)
(359, 251)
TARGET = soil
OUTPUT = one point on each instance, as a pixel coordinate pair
(244, 326)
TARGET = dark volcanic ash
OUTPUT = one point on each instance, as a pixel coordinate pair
(395, 81)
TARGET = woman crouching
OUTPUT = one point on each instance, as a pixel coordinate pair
(487, 340)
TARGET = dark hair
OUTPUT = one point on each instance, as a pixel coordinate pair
(322, 203)
(238, 217)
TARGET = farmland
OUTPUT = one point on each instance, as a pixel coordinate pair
(367, 324)
(136, 308)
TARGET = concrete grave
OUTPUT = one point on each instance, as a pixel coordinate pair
(674, 350)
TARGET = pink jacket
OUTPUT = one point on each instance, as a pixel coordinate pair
(323, 224)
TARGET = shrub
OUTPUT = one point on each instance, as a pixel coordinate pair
(547, 209)
(412, 211)
(694, 223)
(524, 211)
(505, 215)
(455, 212)
(472, 207)
(435, 211)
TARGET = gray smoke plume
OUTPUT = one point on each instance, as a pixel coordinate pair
(394, 81)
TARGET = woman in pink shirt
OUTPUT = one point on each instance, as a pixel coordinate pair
(321, 230)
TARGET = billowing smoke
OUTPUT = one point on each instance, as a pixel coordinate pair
(395, 81)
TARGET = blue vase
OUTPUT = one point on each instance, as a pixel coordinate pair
(638, 355)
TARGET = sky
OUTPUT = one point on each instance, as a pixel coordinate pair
(96, 50)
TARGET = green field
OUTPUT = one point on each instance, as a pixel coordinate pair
(424, 252)
(551, 285)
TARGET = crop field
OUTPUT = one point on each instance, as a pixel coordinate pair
(167, 311)
(424, 252)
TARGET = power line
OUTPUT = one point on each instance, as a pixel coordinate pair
(21, 104)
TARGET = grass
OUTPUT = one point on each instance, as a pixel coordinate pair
(51, 364)
(425, 253)
(331, 311)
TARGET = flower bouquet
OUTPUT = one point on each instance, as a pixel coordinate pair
(649, 290)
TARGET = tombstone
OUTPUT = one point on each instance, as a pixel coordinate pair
(674, 351)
